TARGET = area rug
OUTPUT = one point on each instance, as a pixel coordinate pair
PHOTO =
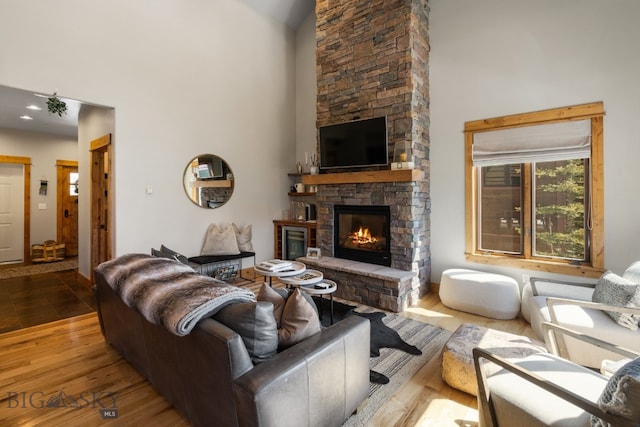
(398, 364)
(30, 270)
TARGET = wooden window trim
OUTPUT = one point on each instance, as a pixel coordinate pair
(593, 111)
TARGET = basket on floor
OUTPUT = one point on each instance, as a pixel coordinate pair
(49, 251)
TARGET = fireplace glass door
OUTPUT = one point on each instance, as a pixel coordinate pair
(362, 233)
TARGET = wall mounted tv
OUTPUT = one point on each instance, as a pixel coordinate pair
(354, 144)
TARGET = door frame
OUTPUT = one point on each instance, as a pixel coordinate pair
(26, 178)
(100, 149)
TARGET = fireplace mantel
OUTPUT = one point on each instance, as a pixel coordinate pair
(397, 175)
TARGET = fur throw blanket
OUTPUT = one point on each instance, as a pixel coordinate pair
(167, 292)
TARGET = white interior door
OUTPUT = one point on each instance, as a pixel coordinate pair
(11, 212)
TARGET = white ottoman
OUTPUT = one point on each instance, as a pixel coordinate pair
(477, 292)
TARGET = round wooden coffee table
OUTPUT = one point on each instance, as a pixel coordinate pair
(295, 269)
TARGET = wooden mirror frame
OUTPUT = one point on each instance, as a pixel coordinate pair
(208, 181)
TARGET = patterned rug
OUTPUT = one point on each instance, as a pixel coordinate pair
(30, 270)
(398, 365)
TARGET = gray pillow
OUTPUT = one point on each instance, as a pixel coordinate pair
(168, 253)
(160, 254)
(621, 396)
(614, 290)
(255, 323)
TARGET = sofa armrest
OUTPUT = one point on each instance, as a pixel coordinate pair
(319, 381)
(561, 288)
(552, 331)
(553, 314)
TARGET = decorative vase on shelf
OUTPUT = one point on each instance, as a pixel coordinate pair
(313, 170)
(402, 156)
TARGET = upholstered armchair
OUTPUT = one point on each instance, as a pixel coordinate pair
(570, 304)
(547, 390)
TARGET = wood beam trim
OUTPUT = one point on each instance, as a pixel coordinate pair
(576, 112)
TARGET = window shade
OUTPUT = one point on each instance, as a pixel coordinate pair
(536, 143)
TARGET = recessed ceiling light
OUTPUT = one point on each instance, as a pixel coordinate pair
(33, 107)
(25, 117)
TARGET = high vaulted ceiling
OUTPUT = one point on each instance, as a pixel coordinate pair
(289, 12)
(14, 102)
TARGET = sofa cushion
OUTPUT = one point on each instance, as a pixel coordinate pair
(220, 241)
(255, 323)
(621, 396)
(614, 290)
(299, 320)
(243, 237)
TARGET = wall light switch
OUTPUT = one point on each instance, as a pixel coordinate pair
(148, 190)
(42, 206)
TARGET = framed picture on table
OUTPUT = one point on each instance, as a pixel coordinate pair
(313, 252)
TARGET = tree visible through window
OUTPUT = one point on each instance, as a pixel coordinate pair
(534, 195)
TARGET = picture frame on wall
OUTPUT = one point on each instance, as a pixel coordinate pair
(313, 252)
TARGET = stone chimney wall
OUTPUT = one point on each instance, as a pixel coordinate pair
(372, 60)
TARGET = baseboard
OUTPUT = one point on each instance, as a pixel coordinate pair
(83, 280)
(434, 287)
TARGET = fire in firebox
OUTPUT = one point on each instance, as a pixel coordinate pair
(364, 240)
(362, 237)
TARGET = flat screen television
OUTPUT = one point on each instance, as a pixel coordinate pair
(354, 144)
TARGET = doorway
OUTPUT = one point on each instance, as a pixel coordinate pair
(15, 195)
(67, 206)
(101, 210)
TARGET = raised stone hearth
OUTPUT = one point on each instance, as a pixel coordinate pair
(374, 285)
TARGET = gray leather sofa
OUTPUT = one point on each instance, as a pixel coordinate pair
(209, 377)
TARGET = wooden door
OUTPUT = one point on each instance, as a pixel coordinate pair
(100, 201)
(67, 210)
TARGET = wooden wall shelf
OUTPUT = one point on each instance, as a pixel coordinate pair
(398, 175)
(219, 183)
(296, 194)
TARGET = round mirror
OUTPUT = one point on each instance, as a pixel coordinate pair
(208, 181)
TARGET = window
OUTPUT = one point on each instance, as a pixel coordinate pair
(534, 192)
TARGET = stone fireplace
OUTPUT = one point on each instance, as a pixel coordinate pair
(372, 61)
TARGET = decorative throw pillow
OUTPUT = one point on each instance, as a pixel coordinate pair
(220, 241)
(621, 396)
(614, 290)
(275, 297)
(243, 236)
(299, 321)
(254, 322)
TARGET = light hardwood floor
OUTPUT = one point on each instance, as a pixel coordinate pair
(70, 356)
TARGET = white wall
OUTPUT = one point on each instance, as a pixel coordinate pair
(306, 90)
(184, 78)
(44, 150)
(498, 57)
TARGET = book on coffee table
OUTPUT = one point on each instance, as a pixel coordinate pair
(275, 265)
